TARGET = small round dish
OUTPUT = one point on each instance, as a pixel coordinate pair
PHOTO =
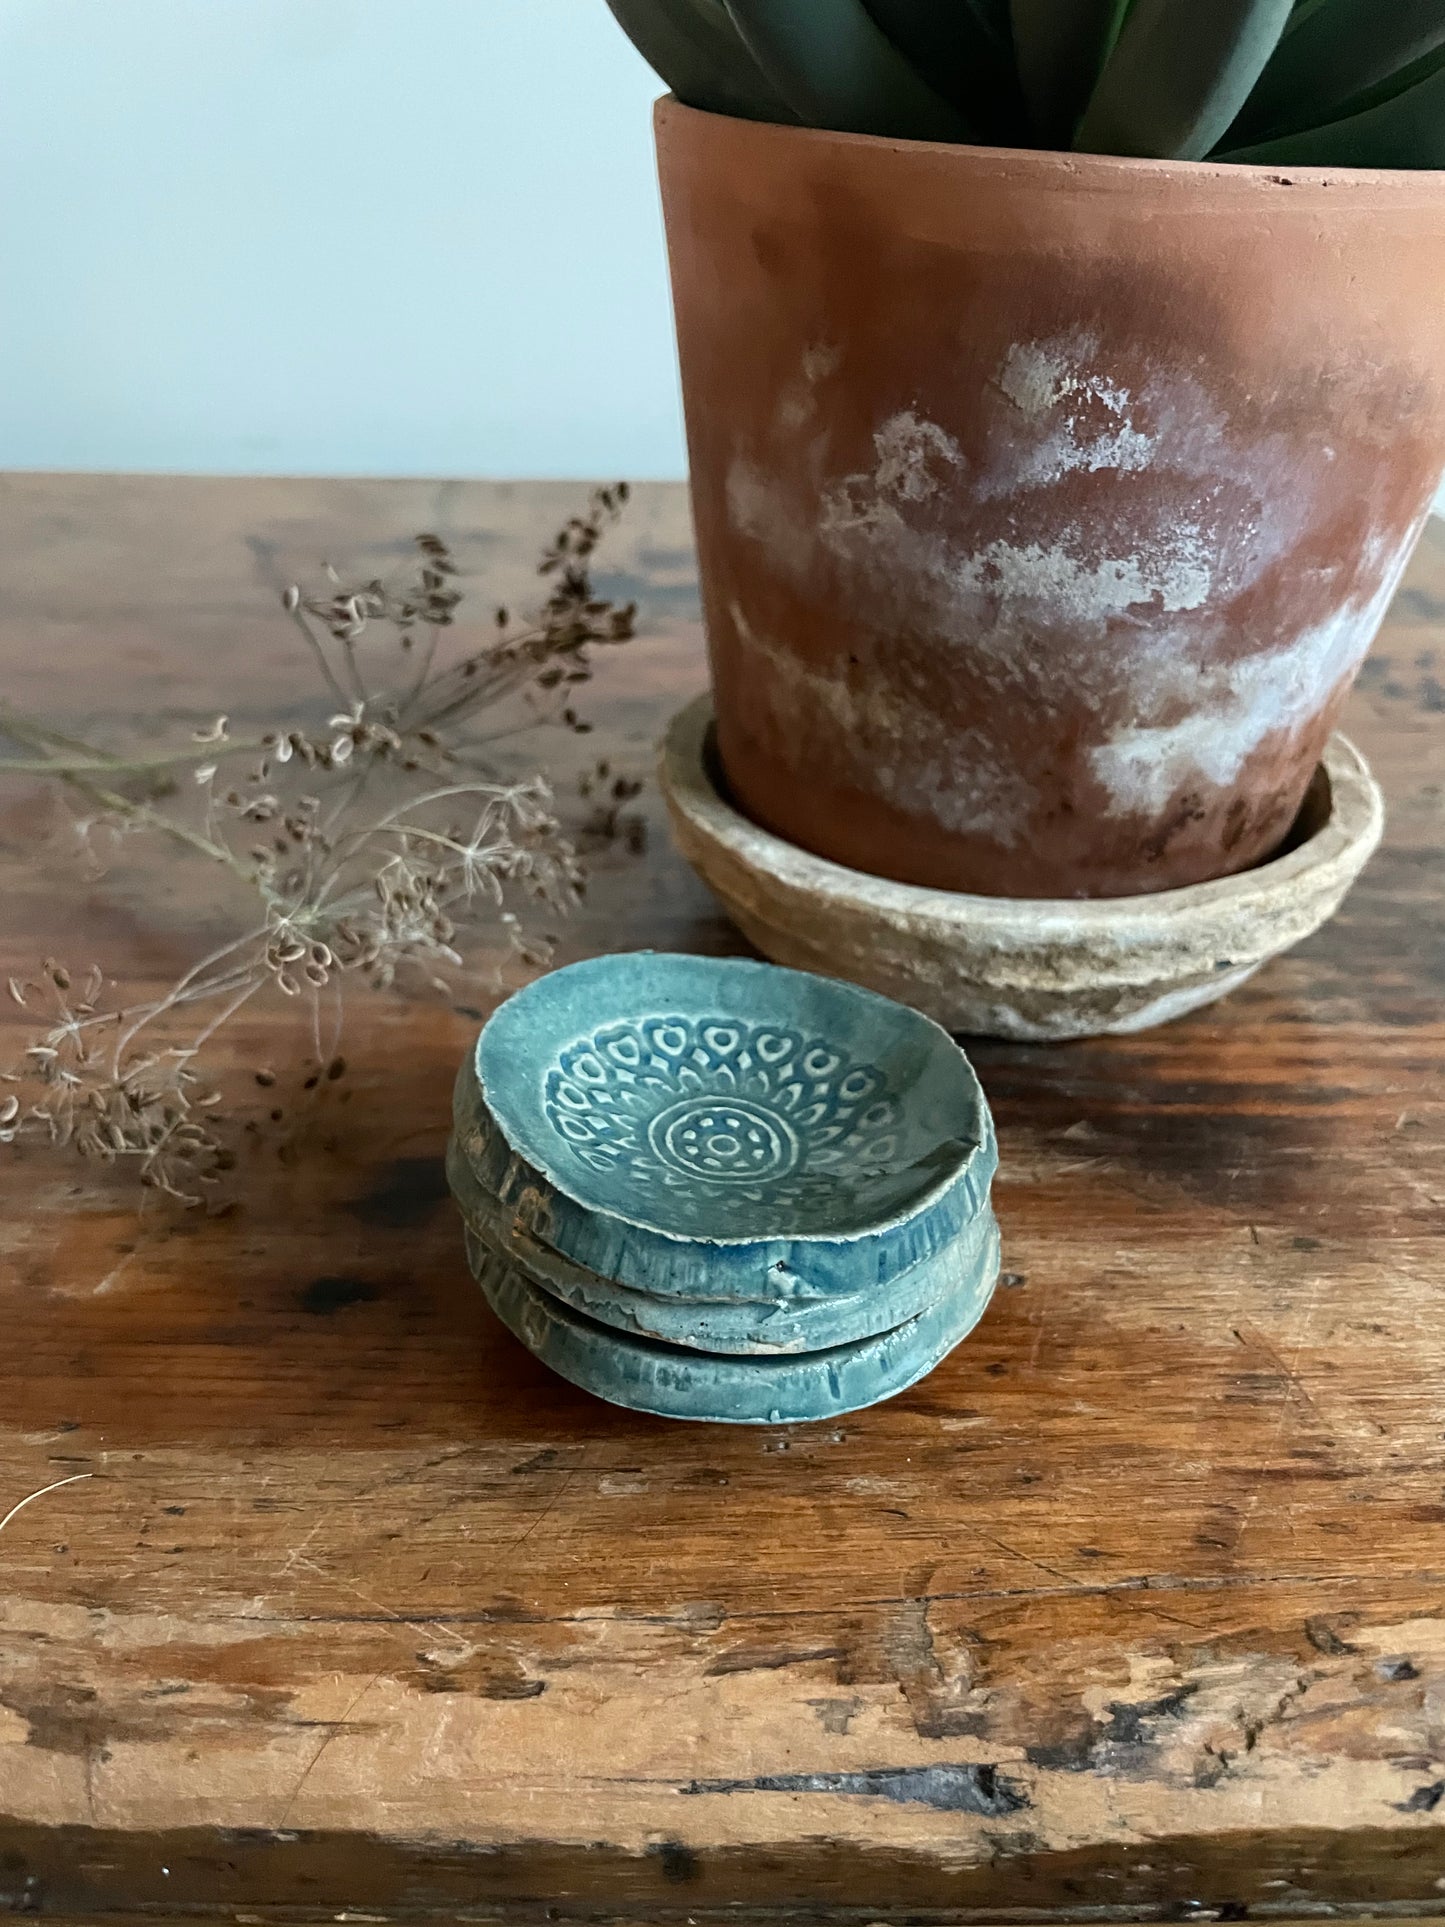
(765, 1328)
(723, 1128)
(670, 1382)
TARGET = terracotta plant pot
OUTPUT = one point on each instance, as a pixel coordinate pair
(1046, 503)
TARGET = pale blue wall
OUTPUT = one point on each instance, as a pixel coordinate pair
(339, 236)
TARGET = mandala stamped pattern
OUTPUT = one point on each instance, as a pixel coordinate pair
(703, 1108)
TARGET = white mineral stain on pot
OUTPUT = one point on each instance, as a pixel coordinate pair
(798, 400)
(915, 761)
(1140, 613)
(1174, 574)
(916, 460)
(910, 453)
(862, 520)
(820, 361)
(758, 509)
(1080, 418)
(1066, 411)
(1237, 706)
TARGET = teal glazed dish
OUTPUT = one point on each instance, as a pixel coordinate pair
(765, 1326)
(672, 1382)
(694, 1124)
(716, 1189)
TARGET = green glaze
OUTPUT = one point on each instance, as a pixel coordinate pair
(771, 1325)
(715, 1189)
(723, 1128)
(672, 1382)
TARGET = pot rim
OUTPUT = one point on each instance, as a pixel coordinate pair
(1117, 173)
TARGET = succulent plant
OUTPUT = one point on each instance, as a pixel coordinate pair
(1339, 83)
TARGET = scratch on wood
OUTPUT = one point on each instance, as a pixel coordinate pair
(1249, 1337)
(551, 1506)
(297, 1554)
(339, 1726)
(1028, 1559)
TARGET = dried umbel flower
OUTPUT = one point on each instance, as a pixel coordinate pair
(89, 1086)
(372, 842)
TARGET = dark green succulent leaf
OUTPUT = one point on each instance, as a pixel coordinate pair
(1179, 74)
(1060, 46)
(1399, 82)
(964, 50)
(693, 46)
(836, 68)
(1333, 56)
(1315, 83)
(1403, 128)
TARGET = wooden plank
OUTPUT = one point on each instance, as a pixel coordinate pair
(1136, 1604)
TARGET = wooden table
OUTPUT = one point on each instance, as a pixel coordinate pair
(1137, 1606)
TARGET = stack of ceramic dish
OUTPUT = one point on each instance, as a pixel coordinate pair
(716, 1189)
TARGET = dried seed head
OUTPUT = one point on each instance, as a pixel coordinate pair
(366, 877)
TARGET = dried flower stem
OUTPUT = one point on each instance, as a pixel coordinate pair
(367, 843)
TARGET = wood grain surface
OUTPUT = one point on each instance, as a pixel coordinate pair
(1136, 1607)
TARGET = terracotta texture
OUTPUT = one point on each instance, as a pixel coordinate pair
(1046, 504)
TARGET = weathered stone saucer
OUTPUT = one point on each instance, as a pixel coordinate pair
(767, 1327)
(1018, 967)
(671, 1382)
(722, 1129)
